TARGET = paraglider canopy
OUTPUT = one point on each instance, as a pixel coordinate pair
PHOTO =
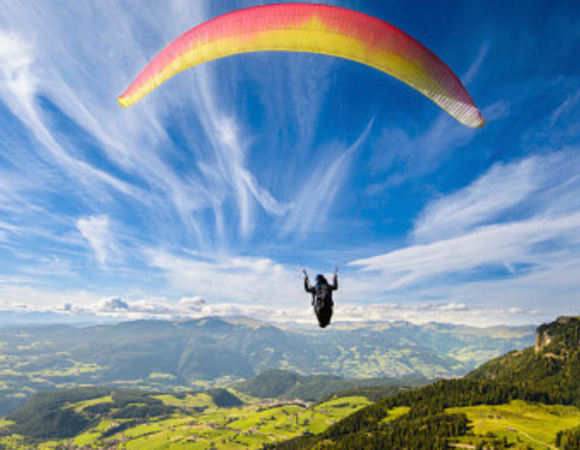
(312, 28)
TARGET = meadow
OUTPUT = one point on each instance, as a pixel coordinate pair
(524, 425)
(201, 424)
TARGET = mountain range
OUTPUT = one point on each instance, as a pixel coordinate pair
(217, 352)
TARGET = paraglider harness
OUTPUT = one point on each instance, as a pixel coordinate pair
(322, 298)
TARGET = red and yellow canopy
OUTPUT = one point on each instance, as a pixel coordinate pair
(312, 28)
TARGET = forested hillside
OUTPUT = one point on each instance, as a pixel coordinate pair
(288, 385)
(551, 366)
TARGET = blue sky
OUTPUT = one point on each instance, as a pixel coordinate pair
(233, 176)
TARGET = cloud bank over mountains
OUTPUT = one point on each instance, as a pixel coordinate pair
(118, 309)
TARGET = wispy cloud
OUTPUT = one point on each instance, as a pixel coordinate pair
(506, 245)
(403, 155)
(19, 90)
(326, 179)
(130, 140)
(565, 109)
(97, 231)
(469, 236)
(16, 56)
(482, 202)
(230, 279)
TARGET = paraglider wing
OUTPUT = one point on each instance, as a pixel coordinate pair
(312, 28)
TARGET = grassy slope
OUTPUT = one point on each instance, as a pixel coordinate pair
(245, 427)
(523, 424)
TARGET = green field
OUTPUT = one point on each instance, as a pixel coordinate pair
(395, 413)
(200, 424)
(523, 424)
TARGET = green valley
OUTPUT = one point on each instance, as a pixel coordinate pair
(136, 420)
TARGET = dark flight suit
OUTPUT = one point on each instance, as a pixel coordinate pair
(322, 299)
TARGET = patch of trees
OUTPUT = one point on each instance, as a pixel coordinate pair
(50, 415)
(99, 408)
(143, 411)
(270, 384)
(52, 424)
(9, 402)
(117, 429)
(568, 440)
(52, 400)
(44, 415)
(319, 388)
(124, 397)
(373, 393)
(224, 398)
(47, 415)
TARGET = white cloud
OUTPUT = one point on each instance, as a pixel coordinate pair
(260, 281)
(496, 245)
(230, 165)
(7, 229)
(549, 291)
(540, 186)
(482, 202)
(16, 56)
(97, 231)
(477, 64)
(16, 294)
(191, 308)
(565, 109)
